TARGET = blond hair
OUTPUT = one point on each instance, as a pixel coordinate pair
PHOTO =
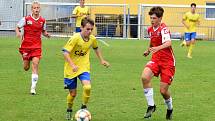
(35, 2)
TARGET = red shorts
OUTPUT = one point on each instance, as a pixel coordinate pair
(165, 71)
(29, 53)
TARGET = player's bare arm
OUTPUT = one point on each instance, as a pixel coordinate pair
(147, 52)
(18, 33)
(86, 15)
(69, 60)
(46, 34)
(102, 61)
(74, 16)
(198, 22)
(164, 45)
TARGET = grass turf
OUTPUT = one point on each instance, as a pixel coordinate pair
(116, 91)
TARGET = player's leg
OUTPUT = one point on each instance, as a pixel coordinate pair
(188, 43)
(186, 37)
(25, 58)
(86, 83)
(34, 56)
(34, 76)
(189, 51)
(183, 43)
(192, 42)
(146, 77)
(70, 84)
(70, 99)
(26, 65)
(166, 80)
(167, 99)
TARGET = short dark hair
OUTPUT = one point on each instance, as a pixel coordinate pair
(157, 10)
(86, 20)
(193, 4)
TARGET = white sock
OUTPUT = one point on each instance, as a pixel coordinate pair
(168, 103)
(34, 78)
(148, 92)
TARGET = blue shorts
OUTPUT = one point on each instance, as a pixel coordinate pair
(189, 36)
(72, 83)
(77, 29)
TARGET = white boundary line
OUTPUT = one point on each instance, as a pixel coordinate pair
(103, 42)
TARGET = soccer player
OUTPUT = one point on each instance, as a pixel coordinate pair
(77, 65)
(79, 13)
(162, 62)
(190, 21)
(33, 26)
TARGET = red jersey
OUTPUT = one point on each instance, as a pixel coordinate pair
(33, 29)
(157, 37)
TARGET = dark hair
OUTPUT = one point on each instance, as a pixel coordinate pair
(86, 20)
(157, 10)
(193, 4)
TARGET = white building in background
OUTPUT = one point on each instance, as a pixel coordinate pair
(11, 11)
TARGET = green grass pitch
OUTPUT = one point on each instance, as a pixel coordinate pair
(117, 94)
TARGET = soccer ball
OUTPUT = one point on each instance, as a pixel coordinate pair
(82, 115)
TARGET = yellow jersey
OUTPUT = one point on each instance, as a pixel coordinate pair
(80, 11)
(79, 53)
(191, 20)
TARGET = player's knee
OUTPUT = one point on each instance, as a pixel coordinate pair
(193, 42)
(188, 44)
(145, 80)
(87, 87)
(163, 91)
(35, 64)
(73, 94)
(26, 68)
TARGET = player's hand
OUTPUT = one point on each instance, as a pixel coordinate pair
(87, 16)
(18, 35)
(146, 53)
(153, 49)
(187, 26)
(81, 14)
(105, 63)
(47, 35)
(74, 68)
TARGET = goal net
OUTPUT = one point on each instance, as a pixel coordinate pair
(173, 18)
(110, 19)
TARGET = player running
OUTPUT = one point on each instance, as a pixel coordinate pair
(33, 25)
(162, 62)
(190, 21)
(77, 65)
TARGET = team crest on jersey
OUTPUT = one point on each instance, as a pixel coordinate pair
(166, 31)
(29, 22)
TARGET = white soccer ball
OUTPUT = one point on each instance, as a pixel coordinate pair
(82, 115)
